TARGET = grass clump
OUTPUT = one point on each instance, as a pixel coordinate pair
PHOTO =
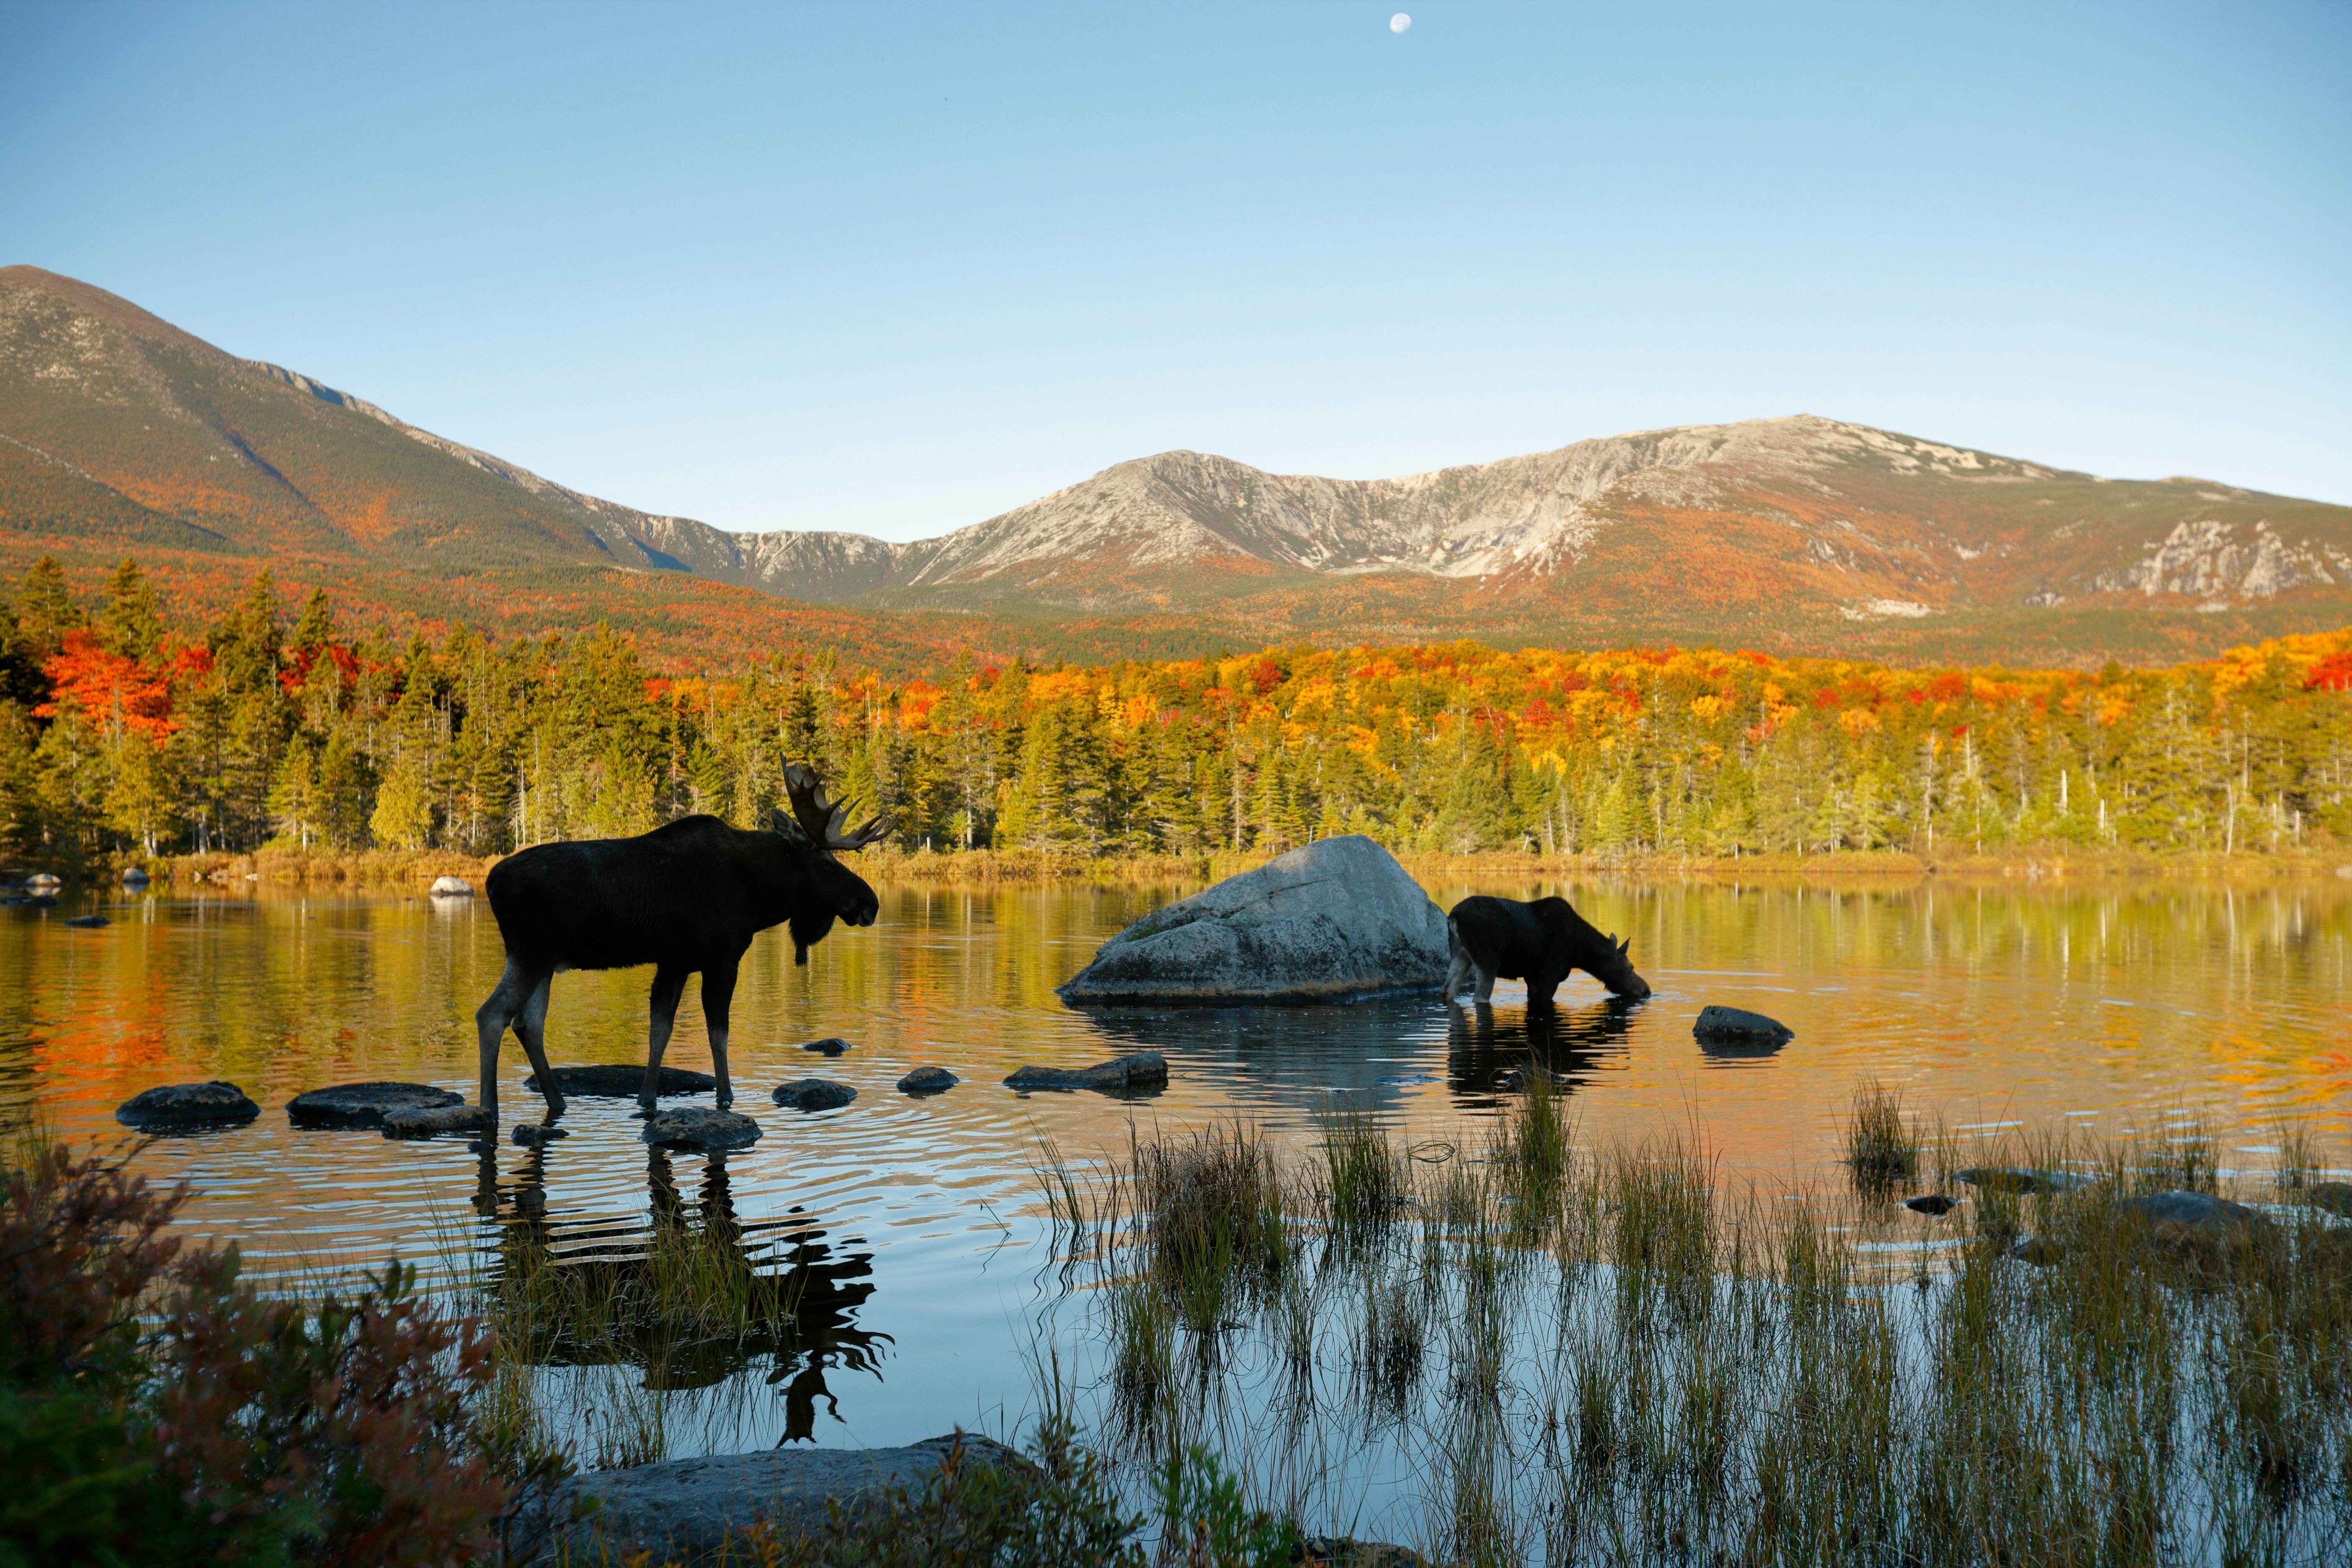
(1882, 1145)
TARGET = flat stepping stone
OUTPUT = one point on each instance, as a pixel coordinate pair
(928, 1081)
(184, 1107)
(351, 1105)
(1142, 1069)
(700, 1127)
(530, 1134)
(88, 922)
(424, 1120)
(1721, 1022)
(815, 1094)
(619, 1080)
(831, 1045)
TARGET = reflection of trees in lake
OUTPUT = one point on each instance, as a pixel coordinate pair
(694, 1296)
(1571, 1044)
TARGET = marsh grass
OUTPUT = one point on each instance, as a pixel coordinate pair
(1545, 1351)
(1882, 1145)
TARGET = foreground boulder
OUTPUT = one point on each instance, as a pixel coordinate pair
(184, 1107)
(1738, 1023)
(683, 1510)
(815, 1094)
(1337, 920)
(700, 1127)
(1143, 1069)
(619, 1080)
(364, 1104)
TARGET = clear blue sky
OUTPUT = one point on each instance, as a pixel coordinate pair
(897, 267)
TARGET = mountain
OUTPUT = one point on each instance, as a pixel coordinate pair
(120, 433)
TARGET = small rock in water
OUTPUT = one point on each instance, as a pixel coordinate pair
(364, 1104)
(2335, 1197)
(1141, 1070)
(829, 1047)
(1736, 1021)
(815, 1094)
(1933, 1204)
(88, 922)
(450, 888)
(183, 1107)
(928, 1081)
(424, 1120)
(619, 1080)
(700, 1127)
(2016, 1179)
(133, 878)
(45, 880)
(530, 1134)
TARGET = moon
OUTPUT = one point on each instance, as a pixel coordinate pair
(1400, 22)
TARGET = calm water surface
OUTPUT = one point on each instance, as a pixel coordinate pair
(2115, 1007)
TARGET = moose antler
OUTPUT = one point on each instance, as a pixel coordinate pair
(822, 819)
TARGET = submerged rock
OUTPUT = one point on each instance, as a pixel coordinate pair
(700, 1127)
(424, 1120)
(829, 1047)
(814, 1094)
(1933, 1204)
(683, 1510)
(1143, 1069)
(2018, 1179)
(450, 888)
(364, 1104)
(184, 1107)
(2335, 1197)
(1335, 921)
(928, 1081)
(1738, 1023)
(530, 1134)
(620, 1081)
(2194, 1222)
(88, 922)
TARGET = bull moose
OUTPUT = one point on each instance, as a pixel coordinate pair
(687, 897)
(1538, 943)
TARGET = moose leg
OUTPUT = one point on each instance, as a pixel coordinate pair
(668, 986)
(1485, 994)
(530, 1028)
(718, 991)
(1455, 973)
(503, 1005)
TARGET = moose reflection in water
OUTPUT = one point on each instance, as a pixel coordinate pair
(1484, 1054)
(693, 1298)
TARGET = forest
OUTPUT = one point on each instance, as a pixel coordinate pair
(125, 734)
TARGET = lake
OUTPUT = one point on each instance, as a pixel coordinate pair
(2120, 1007)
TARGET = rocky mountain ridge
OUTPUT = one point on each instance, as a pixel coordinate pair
(118, 430)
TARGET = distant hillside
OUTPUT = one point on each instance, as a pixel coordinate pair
(120, 433)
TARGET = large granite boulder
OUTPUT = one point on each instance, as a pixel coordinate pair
(1337, 920)
(683, 1510)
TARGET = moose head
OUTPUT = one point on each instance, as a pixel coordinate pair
(817, 828)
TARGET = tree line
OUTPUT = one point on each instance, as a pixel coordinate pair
(121, 733)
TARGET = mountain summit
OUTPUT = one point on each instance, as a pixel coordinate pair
(119, 431)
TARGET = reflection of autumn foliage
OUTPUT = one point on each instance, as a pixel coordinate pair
(108, 689)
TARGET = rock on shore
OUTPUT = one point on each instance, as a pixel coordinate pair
(1334, 921)
(683, 1509)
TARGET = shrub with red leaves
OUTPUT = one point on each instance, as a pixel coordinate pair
(159, 1409)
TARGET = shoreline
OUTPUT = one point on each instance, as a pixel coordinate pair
(1031, 867)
